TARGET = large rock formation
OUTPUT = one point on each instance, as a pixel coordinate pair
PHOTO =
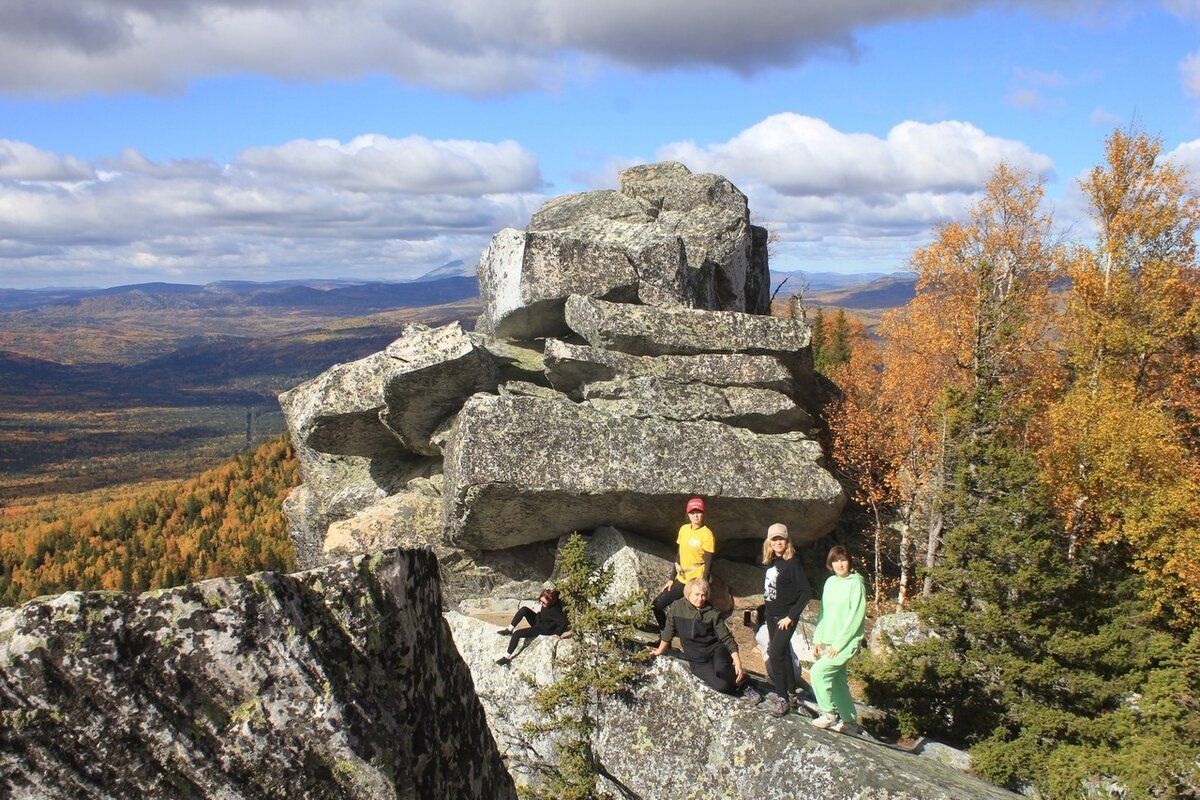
(341, 682)
(624, 361)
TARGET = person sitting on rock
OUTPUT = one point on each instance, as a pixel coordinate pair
(838, 634)
(696, 546)
(708, 646)
(549, 620)
(786, 592)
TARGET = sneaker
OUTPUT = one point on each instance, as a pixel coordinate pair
(503, 661)
(846, 727)
(751, 696)
(504, 632)
(776, 706)
(826, 720)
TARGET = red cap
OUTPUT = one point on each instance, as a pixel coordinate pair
(695, 504)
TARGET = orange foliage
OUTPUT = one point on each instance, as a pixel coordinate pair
(227, 521)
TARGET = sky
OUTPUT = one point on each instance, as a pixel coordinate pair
(200, 140)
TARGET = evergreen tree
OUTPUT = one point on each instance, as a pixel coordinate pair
(597, 665)
(818, 343)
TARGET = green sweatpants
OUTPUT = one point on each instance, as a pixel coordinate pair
(831, 686)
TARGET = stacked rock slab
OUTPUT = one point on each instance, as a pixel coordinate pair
(342, 682)
(624, 361)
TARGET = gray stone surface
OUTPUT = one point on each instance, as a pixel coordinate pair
(640, 566)
(434, 371)
(525, 276)
(650, 331)
(342, 682)
(521, 469)
(903, 627)
(571, 366)
(672, 737)
(337, 412)
(689, 234)
(412, 517)
(758, 410)
(337, 488)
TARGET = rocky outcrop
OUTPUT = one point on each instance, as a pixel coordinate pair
(623, 362)
(341, 682)
(671, 736)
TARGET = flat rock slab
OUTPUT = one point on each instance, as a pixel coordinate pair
(651, 331)
(524, 469)
(571, 366)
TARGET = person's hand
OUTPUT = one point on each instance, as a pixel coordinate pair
(831, 652)
(785, 623)
(739, 674)
(816, 651)
(653, 651)
(666, 586)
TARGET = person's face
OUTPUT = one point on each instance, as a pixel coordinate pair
(841, 567)
(696, 517)
(545, 601)
(697, 596)
(779, 545)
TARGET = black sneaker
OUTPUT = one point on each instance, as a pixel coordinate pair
(504, 632)
(504, 661)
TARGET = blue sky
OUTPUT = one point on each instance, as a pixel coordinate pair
(203, 140)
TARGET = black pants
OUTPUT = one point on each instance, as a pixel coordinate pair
(779, 657)
(531, 632)
(664, 599)
(717, 671)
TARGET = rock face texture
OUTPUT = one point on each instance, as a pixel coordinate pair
(674, 737)
(342, 682)
(624, 361)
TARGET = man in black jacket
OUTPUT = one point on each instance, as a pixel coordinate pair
(708, 646)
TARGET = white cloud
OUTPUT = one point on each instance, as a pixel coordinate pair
(1187, 157)
(1189, 69)
(306, 208)
(413, 165)
(24, 162)
(855, 198)
(472, 46)
(798, 155)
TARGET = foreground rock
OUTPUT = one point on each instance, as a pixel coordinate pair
(673, 737)
(521, 469)
(342, 682)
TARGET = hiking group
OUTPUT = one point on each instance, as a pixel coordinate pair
(682, 610)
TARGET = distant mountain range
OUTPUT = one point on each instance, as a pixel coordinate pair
(448, 283)
(335, 296)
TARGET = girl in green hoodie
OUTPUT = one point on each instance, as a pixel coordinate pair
(837, 636)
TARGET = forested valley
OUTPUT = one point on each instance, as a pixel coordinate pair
(227, 521)
(1022, 445)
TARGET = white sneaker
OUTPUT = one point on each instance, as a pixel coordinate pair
(848, 728)
(826, 721)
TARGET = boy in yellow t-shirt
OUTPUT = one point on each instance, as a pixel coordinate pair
(696, 546)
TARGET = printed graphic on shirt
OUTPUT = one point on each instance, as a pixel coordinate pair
(769, 592)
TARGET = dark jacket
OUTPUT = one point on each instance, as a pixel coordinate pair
(700, 630)
(791, 592)
(551, 620)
